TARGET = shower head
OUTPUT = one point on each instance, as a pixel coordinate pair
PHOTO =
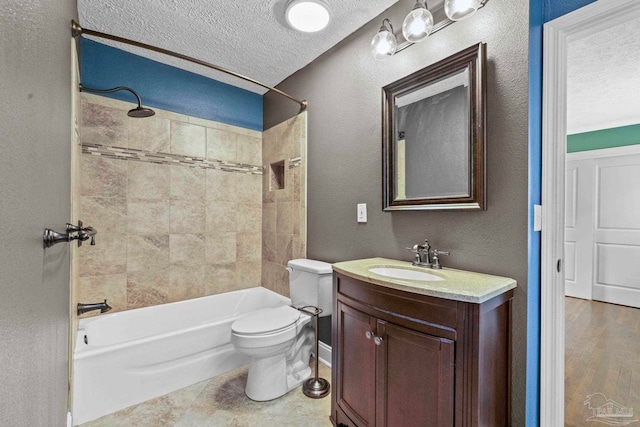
(141, 112)
(138, 112)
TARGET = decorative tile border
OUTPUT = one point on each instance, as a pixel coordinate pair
(168, 159)
(295, 162)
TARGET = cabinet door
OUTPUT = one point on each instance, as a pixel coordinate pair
(355, 392)
(415, 384)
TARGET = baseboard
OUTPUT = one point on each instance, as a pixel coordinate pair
(325, 353)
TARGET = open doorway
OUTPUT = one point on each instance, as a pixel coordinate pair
(589, 244)
(602, 227)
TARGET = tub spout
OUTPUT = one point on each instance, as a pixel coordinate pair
(85, 308)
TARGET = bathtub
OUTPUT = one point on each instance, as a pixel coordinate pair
(126, 358)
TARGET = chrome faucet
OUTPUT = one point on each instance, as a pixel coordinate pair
(422, 256)
(85, 308)
(436, 260)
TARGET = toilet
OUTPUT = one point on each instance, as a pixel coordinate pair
(279, 340)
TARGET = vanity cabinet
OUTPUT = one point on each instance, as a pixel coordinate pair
(405, 359)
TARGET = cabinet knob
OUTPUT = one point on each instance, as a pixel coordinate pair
(377, 340)
(369, 335)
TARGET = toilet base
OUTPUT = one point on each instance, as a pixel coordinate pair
(268, 379)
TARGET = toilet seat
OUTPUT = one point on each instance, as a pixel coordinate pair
(266, 321)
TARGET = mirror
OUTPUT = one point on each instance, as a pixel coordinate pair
(433, 135)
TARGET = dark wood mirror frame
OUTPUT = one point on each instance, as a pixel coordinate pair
(474, 60)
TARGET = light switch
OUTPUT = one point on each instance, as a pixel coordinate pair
(537, 217)
(362, 212)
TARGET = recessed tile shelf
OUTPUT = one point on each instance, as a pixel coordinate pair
(276, 172)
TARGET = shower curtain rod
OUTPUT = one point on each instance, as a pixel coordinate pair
(77, 31)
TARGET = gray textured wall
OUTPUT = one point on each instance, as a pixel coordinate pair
(35, 129)
(343, 88)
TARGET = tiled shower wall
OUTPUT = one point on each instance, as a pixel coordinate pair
(284, 209)
(177, 202)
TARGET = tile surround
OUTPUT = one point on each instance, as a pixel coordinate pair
(192, 196)
(188, 139)
(283, 210)
(151, 134)
(174, 204)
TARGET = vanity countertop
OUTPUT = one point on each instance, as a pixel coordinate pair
(456, 285)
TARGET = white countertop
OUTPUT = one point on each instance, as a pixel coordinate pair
(456, 285)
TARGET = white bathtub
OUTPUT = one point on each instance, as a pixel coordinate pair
(136, 355)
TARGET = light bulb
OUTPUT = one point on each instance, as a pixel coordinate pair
(457, 10)
(383, 45)
(418, 24)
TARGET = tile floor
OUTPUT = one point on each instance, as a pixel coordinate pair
(221, 402)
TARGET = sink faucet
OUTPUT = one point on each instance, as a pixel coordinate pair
(422, 256)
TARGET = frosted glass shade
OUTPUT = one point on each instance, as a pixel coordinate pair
(457, 10)
(383, 45)
(417, 25)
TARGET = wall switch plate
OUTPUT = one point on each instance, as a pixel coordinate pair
(362, 212)
(537, 218)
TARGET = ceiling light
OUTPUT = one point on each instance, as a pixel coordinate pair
(384, 43)
(418, 23)
(307, 16)
(457, 10)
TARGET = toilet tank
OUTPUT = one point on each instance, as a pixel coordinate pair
(311, 283)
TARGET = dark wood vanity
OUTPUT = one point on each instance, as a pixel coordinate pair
(404, 359)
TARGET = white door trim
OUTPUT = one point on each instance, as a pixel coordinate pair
(557, 34)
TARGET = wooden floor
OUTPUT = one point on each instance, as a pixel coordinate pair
(602, 355)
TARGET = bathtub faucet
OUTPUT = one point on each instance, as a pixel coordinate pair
(85, 308)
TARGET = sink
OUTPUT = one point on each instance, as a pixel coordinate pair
(403, 273)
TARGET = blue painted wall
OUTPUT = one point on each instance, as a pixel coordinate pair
(556, 8)
(540, 11)
(169, 88)
(536, 10)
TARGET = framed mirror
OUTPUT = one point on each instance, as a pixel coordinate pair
(433, 135)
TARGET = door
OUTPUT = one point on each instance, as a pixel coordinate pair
(415, 378)
(602, 227)
(617, 231)
(578, 245)
(356, 361)
(35, 142)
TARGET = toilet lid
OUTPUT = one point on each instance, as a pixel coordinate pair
(266, 320)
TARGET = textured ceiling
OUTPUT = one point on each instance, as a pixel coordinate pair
(603, 88)
(249, 37)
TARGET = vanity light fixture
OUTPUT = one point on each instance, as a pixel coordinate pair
(458, 10)
(308, 16)
(384, 43)
(419, 24)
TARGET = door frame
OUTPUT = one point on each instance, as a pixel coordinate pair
(558, 33)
